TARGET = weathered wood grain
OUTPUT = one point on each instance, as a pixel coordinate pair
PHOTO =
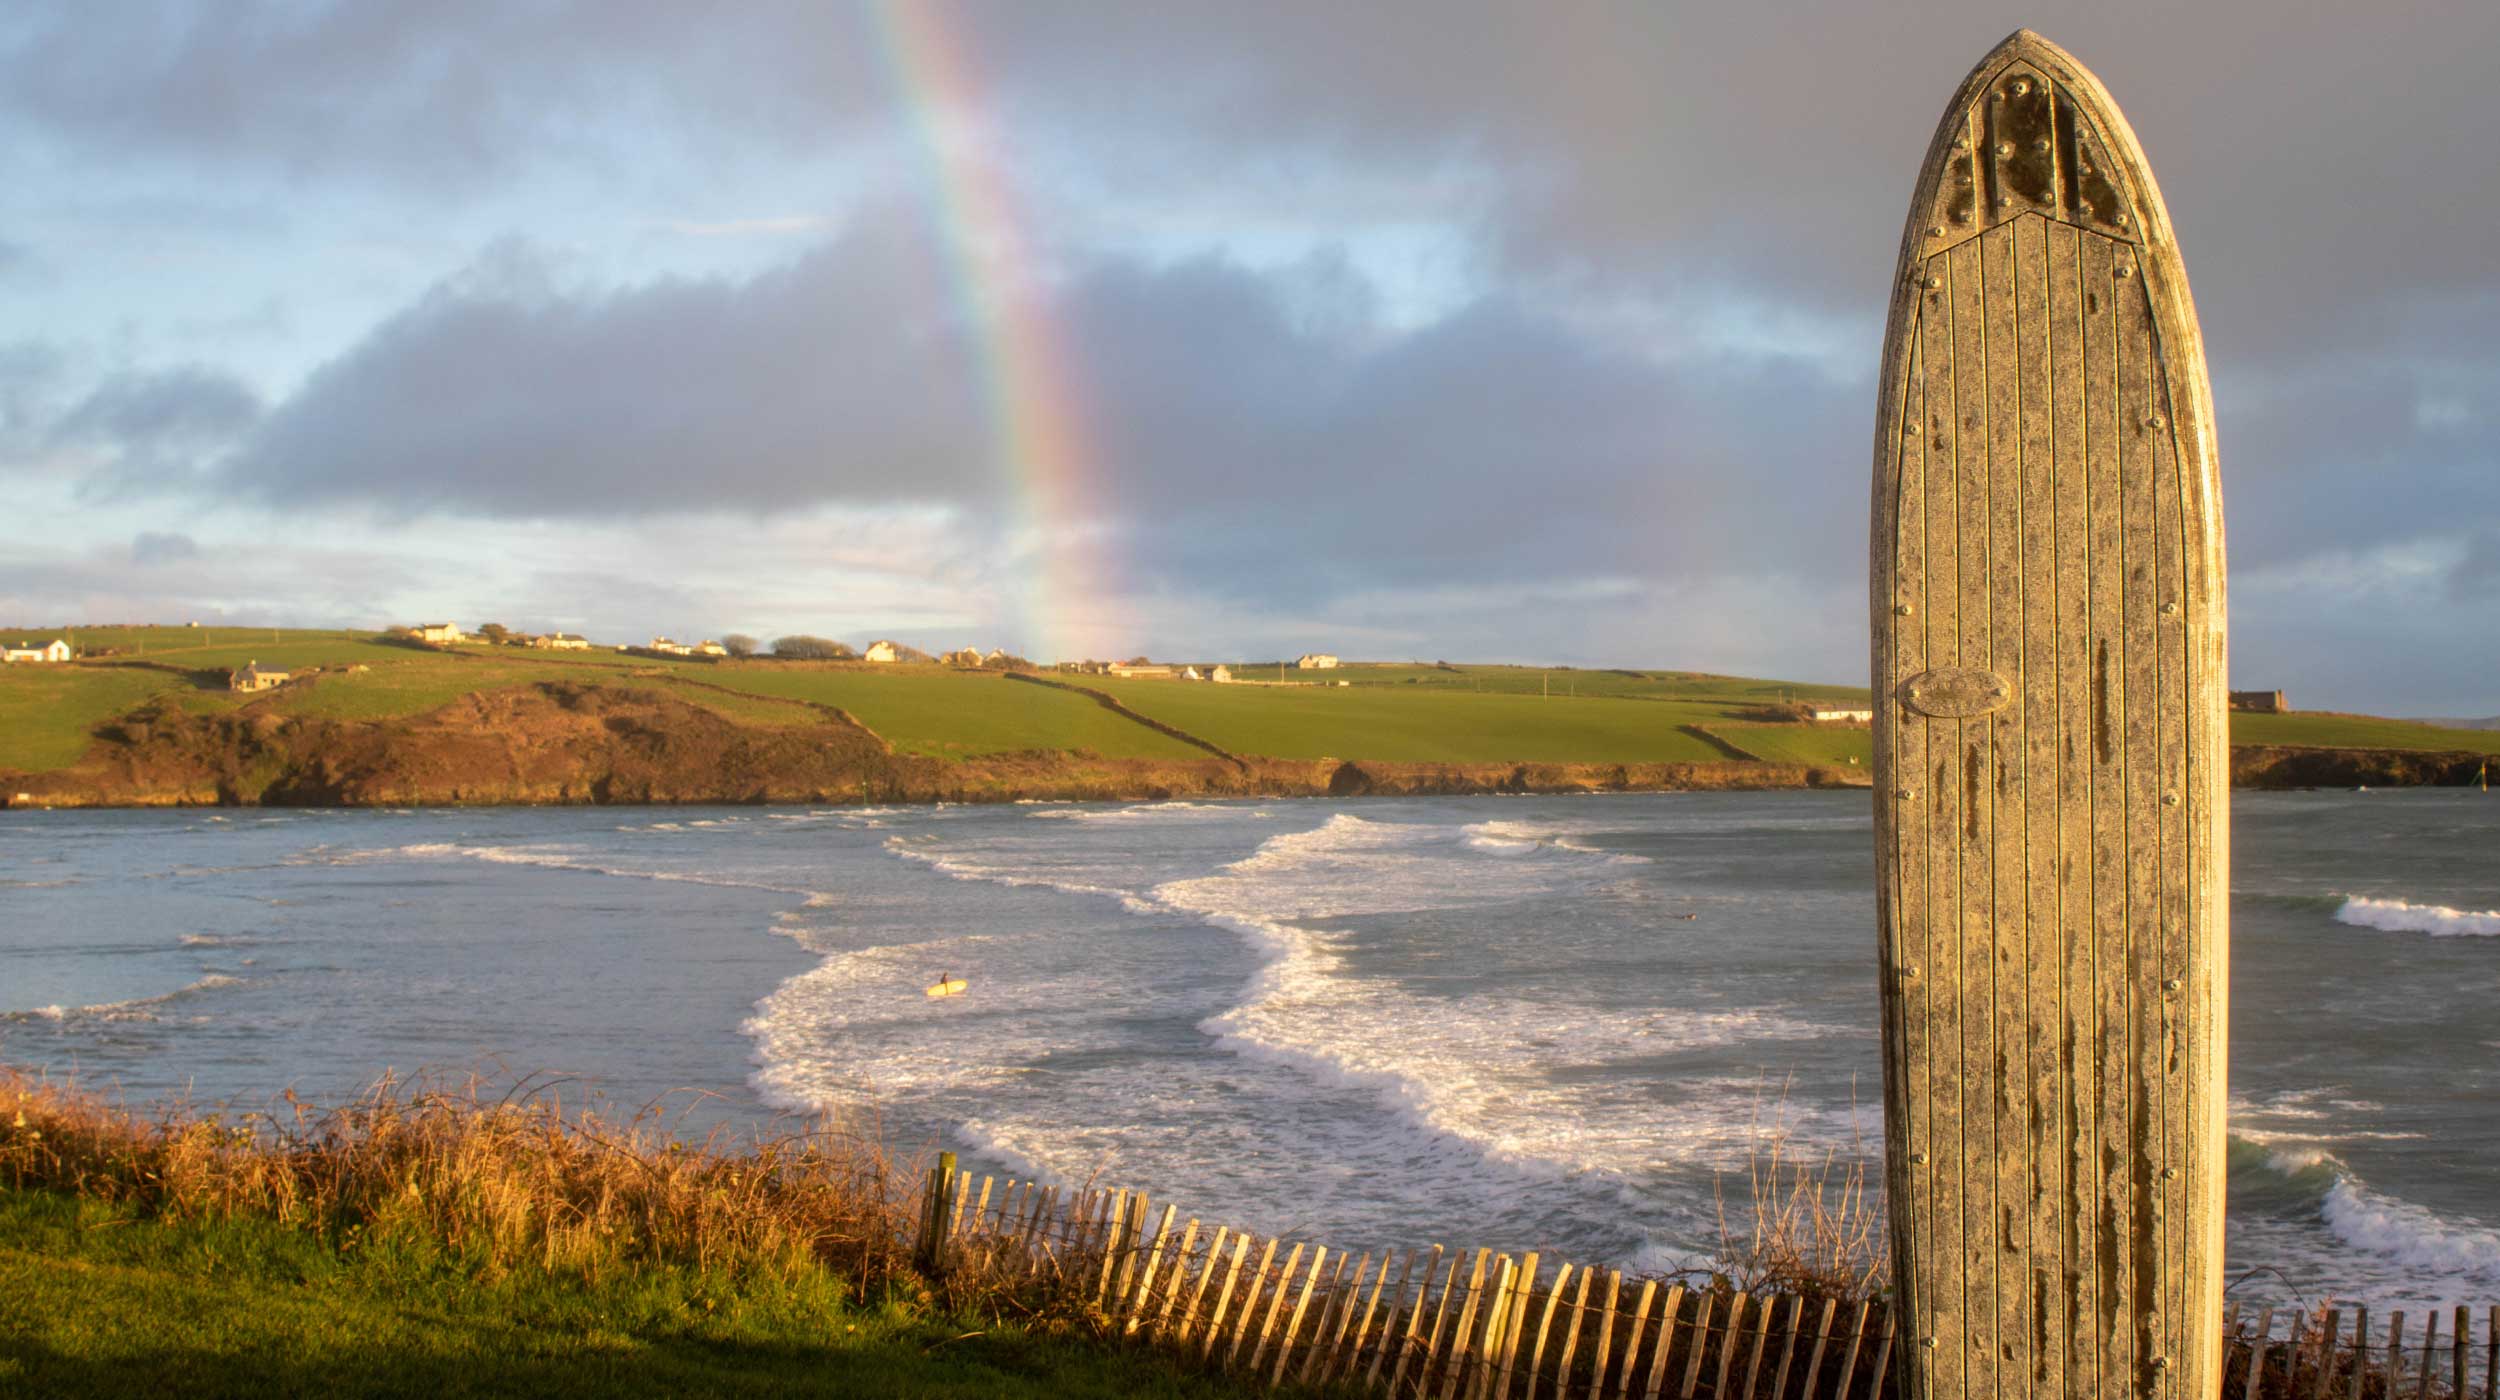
(2052, 867)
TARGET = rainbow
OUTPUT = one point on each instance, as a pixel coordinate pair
(1060, 604)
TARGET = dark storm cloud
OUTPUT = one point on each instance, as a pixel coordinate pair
(1496, 442)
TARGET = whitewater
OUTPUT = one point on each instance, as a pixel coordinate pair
(1541, 1022)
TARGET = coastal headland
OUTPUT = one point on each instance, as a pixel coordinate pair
(151, 717)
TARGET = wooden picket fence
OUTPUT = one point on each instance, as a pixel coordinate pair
(2317, 1358)
(1461, 1325)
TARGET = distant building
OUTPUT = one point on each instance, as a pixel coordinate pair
(1190, 673)
(1828, 715)
(665, 647)
(54, 650)
(561, 641)
(963, 656)
(253, 676)
(708, 647)
(1148, 671)
(1221, 675)
(2259, 702)
(1315, 661)
(882, 651)
(442, 632)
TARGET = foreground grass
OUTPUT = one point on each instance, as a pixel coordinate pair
(451, 1242)
(102, 1301)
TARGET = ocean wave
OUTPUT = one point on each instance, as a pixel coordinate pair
(134, 1009)
(1149, 811)
(1520, 837)
(2466, 1253)
(961, 867)
(2403, 916)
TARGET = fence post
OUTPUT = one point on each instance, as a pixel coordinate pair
(936, 1210)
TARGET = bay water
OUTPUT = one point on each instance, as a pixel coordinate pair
(1560, 1023)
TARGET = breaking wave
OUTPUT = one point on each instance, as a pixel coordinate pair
(135, 1009)
(2404, 916)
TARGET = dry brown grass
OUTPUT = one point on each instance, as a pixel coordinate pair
(1808, 1227)
(499, 1181)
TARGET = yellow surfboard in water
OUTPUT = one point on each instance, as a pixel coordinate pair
(951, 987)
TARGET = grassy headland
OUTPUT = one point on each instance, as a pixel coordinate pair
(146, 719)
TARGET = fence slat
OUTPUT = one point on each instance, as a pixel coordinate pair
(2491, 1353)
(2322, 1380)
(1516, 1322)
(1701, 1343)
(1414, 1322)
(1206, 1275)
(1666, 1343)
(1293, 1324)
(1788, 1345)
(2360, 1349)
(1822, 1339)
(2463, 1335)
(2257, 1351)
(1624, 1379)
(1172, 1282)
(1454, 1361)
(2291, 1353)
(1545, 1324)
(1883, 1353)
(2430, 1335)
(1728, 1343)
(1761, 1338)
(1325, 1359)
(1849, 1361)
(1571, 1336)
(1250, 1303)
(2395, 1350)
(1224, 1296)
(1496, 1315)
(1605, 1335)
(1363, 1329)
(1433, 1343)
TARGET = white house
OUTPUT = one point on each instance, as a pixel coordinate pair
(54, 650)
(1823, 715)
(1150, 671)
(665, 647)
(1316, 661)
(254, 676)
(1221, 675)
(708, 647)
(561, 641)
(1190, 673)
(445, 632)
(881, 651)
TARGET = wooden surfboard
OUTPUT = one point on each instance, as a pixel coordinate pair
(2052, 772)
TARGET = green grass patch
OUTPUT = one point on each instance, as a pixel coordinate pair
(1419, 724)
(1833, 745)
(1564, 681)
(102, 1301)
(48, 712)
(954, 714)
(2323, 731)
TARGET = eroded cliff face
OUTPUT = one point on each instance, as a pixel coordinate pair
(559, 743)
(2281, 766)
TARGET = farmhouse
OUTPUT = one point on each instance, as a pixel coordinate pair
(2259, 702)
(708, 647)
(54, 650)
(1315, 661)
(1190, 673)
(1140, 671)
(665, 647)
(1221, 675)
(1831, 715)
(968, 656)
(882, 651)
(440, 632)
(561, 641)
(251, 676)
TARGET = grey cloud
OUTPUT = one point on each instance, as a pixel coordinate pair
(2476, 576)
(153, 547)
(164, 408)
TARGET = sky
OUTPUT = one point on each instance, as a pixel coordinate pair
(1541, 333)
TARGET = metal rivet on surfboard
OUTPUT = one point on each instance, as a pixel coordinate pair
(1928, 1342)
(2172, 985)
(1902, 793)
(2161, 1363)
(1910, 971)
(2169, 608)
(2170, 799)
(2170, 1173)
(2125, 271)
(2021, 87)
(1903, 609)
(1934, 282)
(1918, 1159)
(1935, 230)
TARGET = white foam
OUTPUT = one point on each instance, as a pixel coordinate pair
(135, 1009)
(966, 868)
(2403, 916)
(1150, 811)
(2466, 1254)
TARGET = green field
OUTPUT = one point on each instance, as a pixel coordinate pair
(102, 1302)
(1421, 725)
(2326, 731)
(1403, 712)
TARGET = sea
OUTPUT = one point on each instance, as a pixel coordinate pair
(1571, 1024)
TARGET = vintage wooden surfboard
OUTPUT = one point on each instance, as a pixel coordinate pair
(2052, 819)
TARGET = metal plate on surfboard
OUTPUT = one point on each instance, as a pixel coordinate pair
(2051, 827)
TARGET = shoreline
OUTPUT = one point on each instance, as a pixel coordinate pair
(567, 745)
